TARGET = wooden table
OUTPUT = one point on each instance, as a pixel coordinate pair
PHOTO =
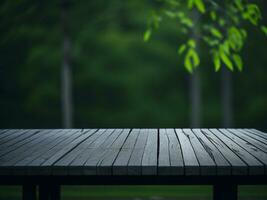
(49, 158)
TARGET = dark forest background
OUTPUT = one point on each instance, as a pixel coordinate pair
(117, 79)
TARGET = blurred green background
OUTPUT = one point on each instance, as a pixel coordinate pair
(117, 79)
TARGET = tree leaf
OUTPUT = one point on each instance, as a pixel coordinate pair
(170, 14)
(181, 49)
(191, 60)
(226, 61)
(252, 14)
(264, 30)
(216, 61)
(213, 15)
(190, 3)
(147, 35)
(200, 6)
(188, 64)
(216, 32)
(192, 43)
(238, 61)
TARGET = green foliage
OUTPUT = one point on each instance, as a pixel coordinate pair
(223, 29)
(198, 4)
(147, 35)
(238, 61)
(216, 61)
(191, 60)
(264, 30)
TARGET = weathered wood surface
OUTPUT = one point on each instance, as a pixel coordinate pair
(140, 152)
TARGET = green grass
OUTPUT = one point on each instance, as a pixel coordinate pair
(141, 192)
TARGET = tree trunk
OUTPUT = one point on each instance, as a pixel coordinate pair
(227, 99)
(66, 72)
(195, 81)
(195, 96)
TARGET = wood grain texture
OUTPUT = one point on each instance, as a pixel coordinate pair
(138, 152)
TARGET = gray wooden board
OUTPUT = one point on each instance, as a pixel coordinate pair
(19, 145)
(261, 140)
(247, 145)
(30, 142)
(35, 161)
(175, 151)
(121, 162)
(223, 166)
(190, 160)
(59, 144)
(19, 138)
(68, 148)
(11, 135)
(257, 132)
(207, 164)
(135, 162)
(11, 158)
(149, 159)
(60, 167)
(90, 150)
(2, 131)
(36, 155)
(255, 167)
(97, 155)
(79, 152)
(133, 152)
(238, 167)
(7, 133)
(36, 150)
(104, 167)
(164, 162)
(259, 144)
(170, 159)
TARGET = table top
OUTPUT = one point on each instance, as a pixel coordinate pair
(172, 152)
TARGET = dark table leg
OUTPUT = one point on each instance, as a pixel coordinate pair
(225, 191)
(29, 192)
(49, 192)
(55, 192)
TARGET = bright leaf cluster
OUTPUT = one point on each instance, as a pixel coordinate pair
(223, 28)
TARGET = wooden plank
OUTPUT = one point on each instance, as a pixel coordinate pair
(79, 155)
(135, 162)
(92, 153)
(8, 132)
(122, 160)
(170, 159)
(164, 162)
(247, 145)
(257, 132)
(58, 145)
(104, 167)
(53, 159)
(255, 167)
(207, 164)
(75, 153)
(25, 141)
(98, 154)
(24, 135)
(149, 160)
(11, 158)
(259, 143)
(238, 166)
(223, 166)
(2, 131)
(190, 159)
(175, 151)
(261, 140)
(11, 135)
